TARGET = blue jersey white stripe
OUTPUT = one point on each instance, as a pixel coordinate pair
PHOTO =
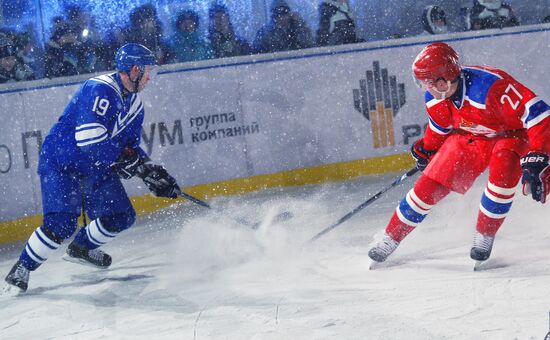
(108, 80)
(91, 133)
(536, 110)
(99, 112)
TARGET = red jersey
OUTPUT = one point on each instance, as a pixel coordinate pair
(488, 103)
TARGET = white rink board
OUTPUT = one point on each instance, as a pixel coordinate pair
(293, 110)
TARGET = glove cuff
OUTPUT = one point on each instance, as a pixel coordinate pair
(534, 157)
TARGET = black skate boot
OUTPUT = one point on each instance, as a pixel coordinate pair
(95, 257)
(18, 276)
(481, 249)
(383, 249)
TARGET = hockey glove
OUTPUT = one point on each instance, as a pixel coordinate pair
(536, 175)
(158, 181)
(421, 155)
(127, 164)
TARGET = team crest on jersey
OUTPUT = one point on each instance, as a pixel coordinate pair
(378, 99)
(475, 128)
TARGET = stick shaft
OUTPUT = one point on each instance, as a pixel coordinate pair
(363, 205)
(194, 200)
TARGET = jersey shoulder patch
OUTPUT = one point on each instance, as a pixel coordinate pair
(478, 82)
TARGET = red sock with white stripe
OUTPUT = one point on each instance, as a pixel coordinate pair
(496, 201)
(495, 204)
(415, 207)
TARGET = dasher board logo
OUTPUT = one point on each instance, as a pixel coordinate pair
(378, 99)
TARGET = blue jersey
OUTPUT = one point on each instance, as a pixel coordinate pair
(98, 123)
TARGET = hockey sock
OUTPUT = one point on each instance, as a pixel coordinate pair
(39, 247)
(415, 207)
(94, 235)
(495, 205)
(496, 202)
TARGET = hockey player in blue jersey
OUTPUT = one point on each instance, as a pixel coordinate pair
(93, 145)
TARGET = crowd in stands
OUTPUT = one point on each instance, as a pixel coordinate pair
(76, 46)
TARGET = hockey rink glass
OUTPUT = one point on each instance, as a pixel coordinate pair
(151, 71)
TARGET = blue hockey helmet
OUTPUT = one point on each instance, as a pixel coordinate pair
(132, 54)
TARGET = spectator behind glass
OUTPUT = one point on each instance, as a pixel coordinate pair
(57, 21)
(114, 39)
(146, 29)
(491, 14)
(286, 31)
(186, 43)
(546, 19)
(434, 21)
(88, 35)
(65, 55)
(12, 67)
(222, 35)
(336, 23)
(26, 51)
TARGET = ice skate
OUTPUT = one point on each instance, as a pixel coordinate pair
(481, 249)
(17, 279)
(380, 252)
(96, 258)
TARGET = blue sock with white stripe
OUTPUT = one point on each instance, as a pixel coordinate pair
(37, 250)
(94, 235)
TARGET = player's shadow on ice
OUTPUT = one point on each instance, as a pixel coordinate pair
(448, 259)
(120, 291)
(442, 264)
(100, 276)
(89, 281)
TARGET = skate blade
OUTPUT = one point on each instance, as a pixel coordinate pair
(81, 261)
(489, 264)
(373, 265)
(10, 291)
(478, 266)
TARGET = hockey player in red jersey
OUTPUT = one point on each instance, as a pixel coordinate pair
(479, 118)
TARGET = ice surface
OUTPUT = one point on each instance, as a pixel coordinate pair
(189, 273)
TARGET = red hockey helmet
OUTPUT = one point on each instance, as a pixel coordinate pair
(436, 61)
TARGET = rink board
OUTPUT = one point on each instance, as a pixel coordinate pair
(235, 125)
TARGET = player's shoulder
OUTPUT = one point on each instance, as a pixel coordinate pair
(479, 80)
(106, 85)
(431, 101)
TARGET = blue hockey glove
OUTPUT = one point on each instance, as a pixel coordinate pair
(127, 164)
(421, 155)
(536, 175)
(158, 181)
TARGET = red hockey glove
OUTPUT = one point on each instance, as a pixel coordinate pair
(421, 155)
(536, 175)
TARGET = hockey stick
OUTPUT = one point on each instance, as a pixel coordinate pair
(365, 204)
(285, 215)
(194, 199)
(83, 207)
